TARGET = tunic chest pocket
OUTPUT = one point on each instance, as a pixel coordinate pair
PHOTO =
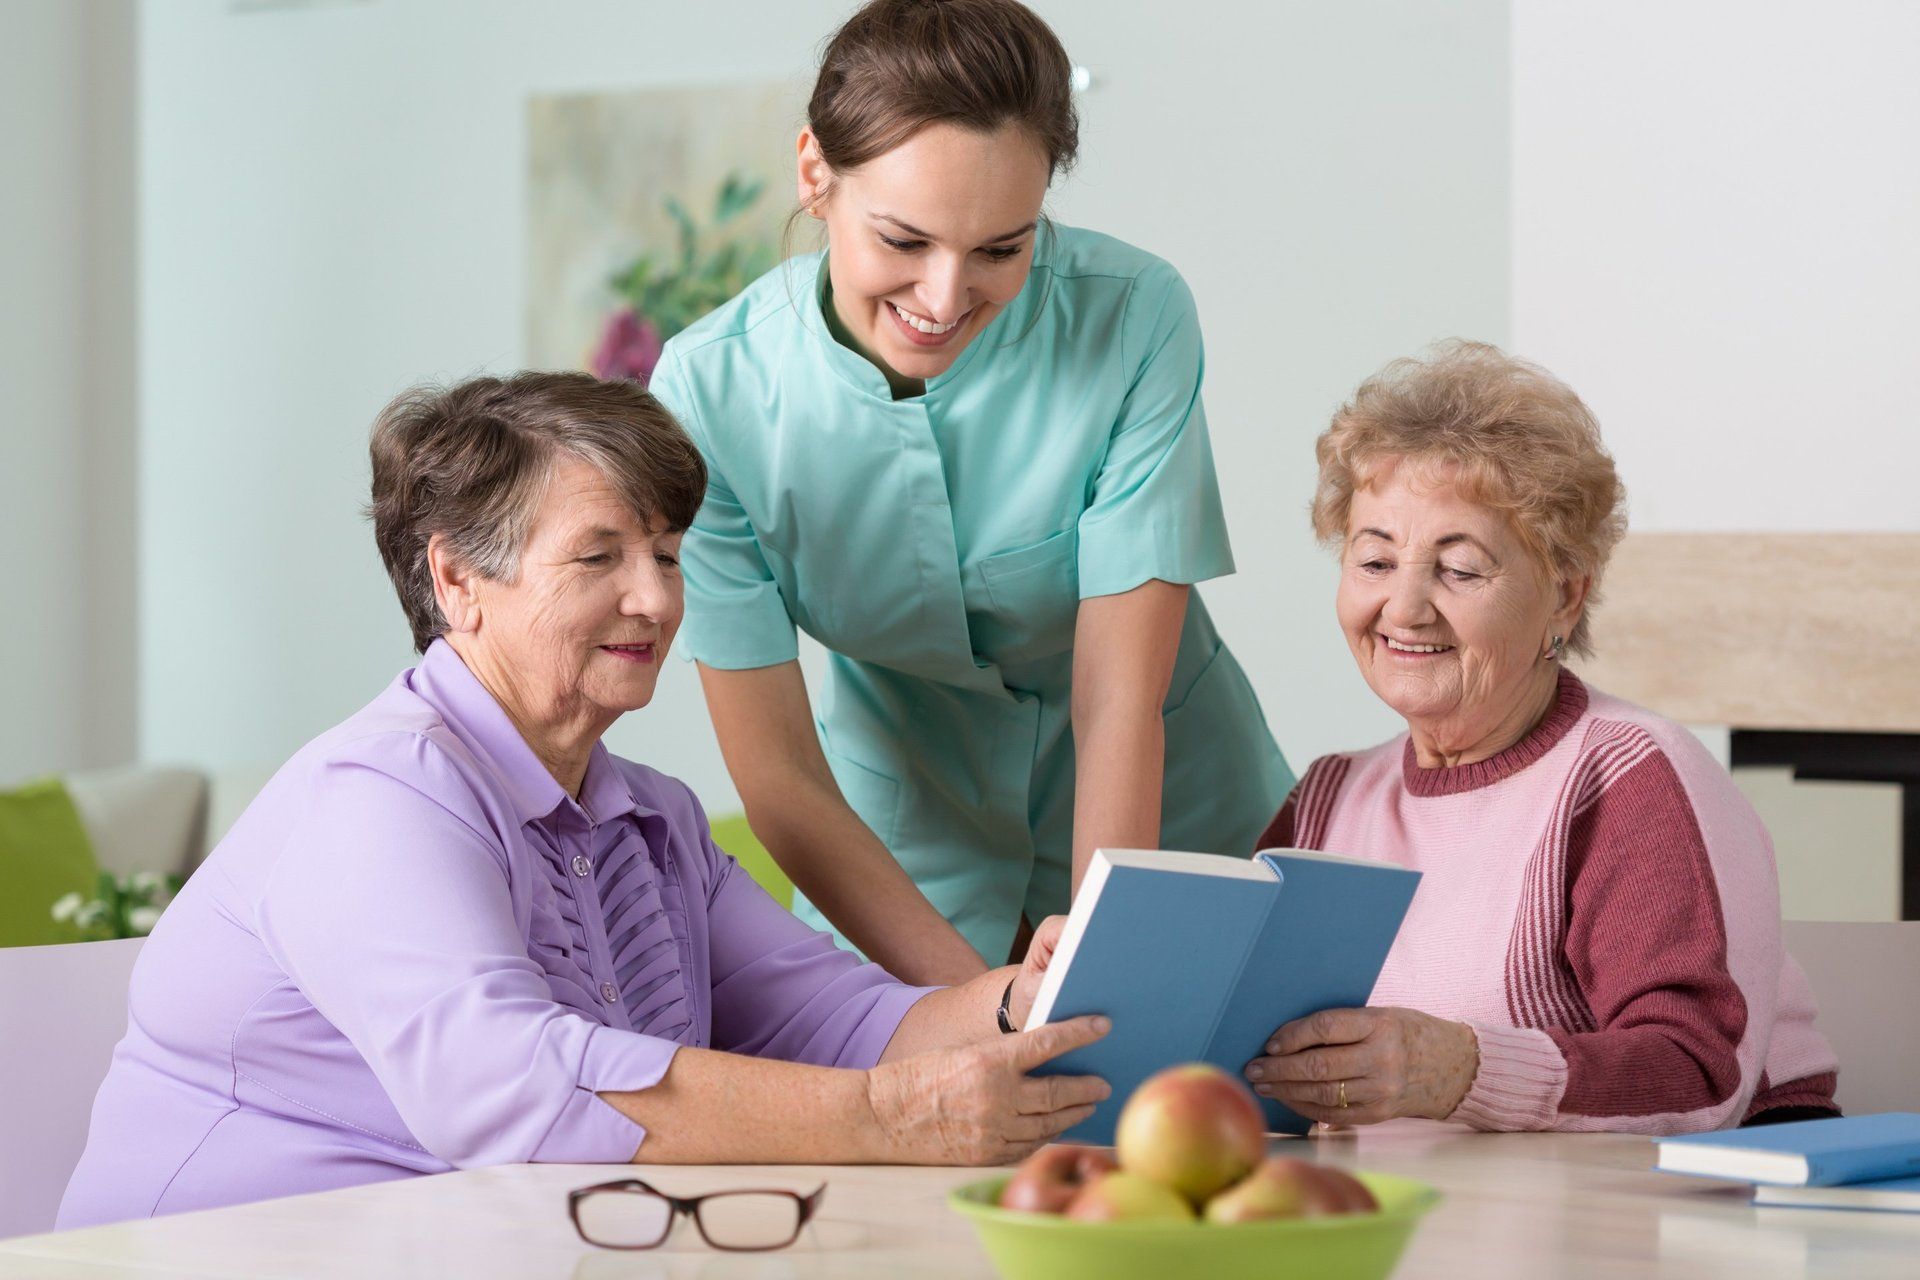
(1032, 596)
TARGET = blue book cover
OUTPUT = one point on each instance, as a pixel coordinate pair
(1806, 1153)
(1887, 1195)
(1200, 958)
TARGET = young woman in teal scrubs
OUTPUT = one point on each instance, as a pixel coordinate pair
(964, 449)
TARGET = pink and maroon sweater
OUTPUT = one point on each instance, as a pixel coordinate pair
(1600, 904)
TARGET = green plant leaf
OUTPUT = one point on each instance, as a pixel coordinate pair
(671, 291)
(737, 194)
(689, 233)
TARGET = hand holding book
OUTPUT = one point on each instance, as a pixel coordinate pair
(1362, 1066)
(1200, 957)
(1033, 968)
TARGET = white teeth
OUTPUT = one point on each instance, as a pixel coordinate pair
(1416, 648)
(923, 324)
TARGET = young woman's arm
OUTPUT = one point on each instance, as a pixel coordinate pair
(1123, 651)
(765, 727)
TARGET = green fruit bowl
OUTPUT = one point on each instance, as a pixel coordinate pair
(1356, 1246)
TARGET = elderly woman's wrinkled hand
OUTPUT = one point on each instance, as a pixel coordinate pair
(977, 1105)
(1382, 1063)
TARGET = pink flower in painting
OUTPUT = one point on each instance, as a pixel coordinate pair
(629, 348)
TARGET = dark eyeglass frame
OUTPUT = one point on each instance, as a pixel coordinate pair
(809, 1204)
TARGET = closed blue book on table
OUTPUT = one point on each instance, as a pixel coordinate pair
(1806, 1153)
(1198, 957)
(1886, 1195)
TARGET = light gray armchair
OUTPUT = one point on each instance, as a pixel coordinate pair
(159, 817)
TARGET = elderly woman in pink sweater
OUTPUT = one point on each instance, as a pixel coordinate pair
(1596, 941)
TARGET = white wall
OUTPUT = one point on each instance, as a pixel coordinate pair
(66, 621)
(1333, 180)
(41, 315)
(333, 209)
(1714, 241)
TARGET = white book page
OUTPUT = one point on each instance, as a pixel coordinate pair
(1197, 864)
(1090, 887)
(1740, 1164)
(1104, 861)
(1316, 855)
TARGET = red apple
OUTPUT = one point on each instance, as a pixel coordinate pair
(1128, 1197)
(1193, 1128)
(1283, 1187)
(1048, 1180)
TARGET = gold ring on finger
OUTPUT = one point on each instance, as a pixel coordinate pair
(1343, 1095)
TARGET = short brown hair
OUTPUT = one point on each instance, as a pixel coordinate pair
(1521, 440)
(471, 463)
(897, 66)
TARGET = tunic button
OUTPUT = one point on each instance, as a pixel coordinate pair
(581, 866)
(609, 992)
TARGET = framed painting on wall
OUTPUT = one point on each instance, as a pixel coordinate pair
(646, 210)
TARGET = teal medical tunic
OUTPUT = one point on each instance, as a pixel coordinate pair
(939, 547)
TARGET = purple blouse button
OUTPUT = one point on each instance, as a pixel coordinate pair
(609, 992)
(581, 866)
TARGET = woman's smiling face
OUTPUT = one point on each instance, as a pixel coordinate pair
(1446, 611)
(579, 634)
(929, 241)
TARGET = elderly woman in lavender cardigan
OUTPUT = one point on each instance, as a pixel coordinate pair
(455, 931)
(1595, 943)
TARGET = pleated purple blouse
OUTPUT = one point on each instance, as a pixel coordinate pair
(415, 952)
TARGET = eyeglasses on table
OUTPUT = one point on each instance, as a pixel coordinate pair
(629, 1214)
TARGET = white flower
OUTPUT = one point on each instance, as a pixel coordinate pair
(67, 907)
(91, 915)
(147, 882)
(142, 919)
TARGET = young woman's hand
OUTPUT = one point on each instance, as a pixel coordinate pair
(977, 1105)
(1026, 984)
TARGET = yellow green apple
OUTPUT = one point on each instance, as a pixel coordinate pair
(1048, 1180)
(1283, 1187)
(1128, 1197)
(1193, 1128)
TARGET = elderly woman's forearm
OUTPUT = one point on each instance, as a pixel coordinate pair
(726, 1108)
(954, 1016)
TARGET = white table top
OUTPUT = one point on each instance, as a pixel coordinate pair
(1516, 1205)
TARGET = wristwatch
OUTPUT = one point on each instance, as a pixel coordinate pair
(1006, 1022)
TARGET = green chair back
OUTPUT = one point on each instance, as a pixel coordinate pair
(734, 836)
(44, 855)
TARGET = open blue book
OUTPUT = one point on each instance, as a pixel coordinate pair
(1806, 1153)
(1200, 958)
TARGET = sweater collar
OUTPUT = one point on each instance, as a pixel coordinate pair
(1570, 703)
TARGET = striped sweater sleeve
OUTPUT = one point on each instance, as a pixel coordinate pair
(1302, 820)
(1666, 985)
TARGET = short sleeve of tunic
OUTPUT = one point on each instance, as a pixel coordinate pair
(736, 618)
(1155, 511)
